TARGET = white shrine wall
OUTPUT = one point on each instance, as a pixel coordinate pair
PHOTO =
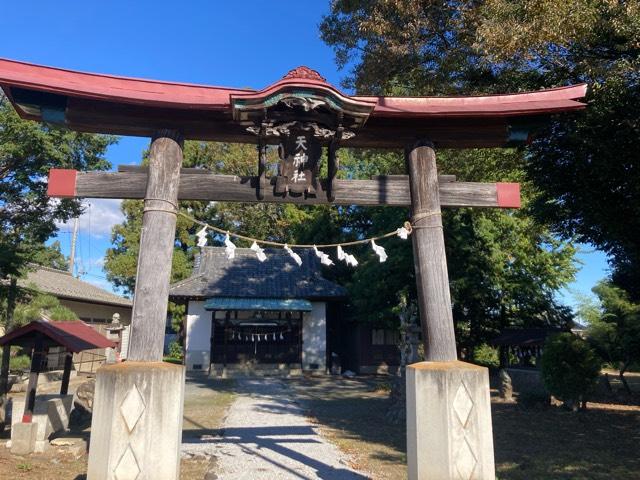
(314, 337)
(198, 336)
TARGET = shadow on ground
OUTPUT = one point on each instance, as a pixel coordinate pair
(271, 443)
(352, 413)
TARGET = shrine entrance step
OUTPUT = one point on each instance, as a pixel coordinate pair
(280, 370)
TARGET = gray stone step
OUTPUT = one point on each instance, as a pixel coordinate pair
(253, 370)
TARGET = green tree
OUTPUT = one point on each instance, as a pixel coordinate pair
(570, 369)
(51, 256)
(585, 166)
(504, 267)
(27, 151)
(614, 327)
(39, 305)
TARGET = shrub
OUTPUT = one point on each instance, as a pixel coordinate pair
(175, 351)
(20, 363)
(570, 368)
(486, 355)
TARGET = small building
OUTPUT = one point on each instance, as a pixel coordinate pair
(50, 413)
(244, 313)
(93, 305)
(522, 346)
(368, 348)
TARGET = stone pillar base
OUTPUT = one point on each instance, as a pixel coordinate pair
(23, 438)
(50, 415)
(136, 427)
(449, 432)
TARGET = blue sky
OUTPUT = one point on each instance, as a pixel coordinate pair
(239, 44)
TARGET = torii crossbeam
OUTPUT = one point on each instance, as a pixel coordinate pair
(138, 407)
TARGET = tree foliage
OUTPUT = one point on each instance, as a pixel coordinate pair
(504, 267)
(27, 151)
(50, 256)
(613, 326)
(40, 305)
(584, 166)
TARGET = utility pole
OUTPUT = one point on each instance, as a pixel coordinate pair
(74, 239)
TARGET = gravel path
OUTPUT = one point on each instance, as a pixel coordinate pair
(267, 436)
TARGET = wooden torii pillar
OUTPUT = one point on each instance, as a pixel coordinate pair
(448, 403)
(138, 406)
(145, 392)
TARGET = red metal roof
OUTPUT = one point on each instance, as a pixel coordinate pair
(132, 106)
(74, 336)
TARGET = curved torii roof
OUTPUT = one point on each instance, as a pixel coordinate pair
(129, 106)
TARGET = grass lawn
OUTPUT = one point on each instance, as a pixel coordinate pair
(205, 407)
(547, 443)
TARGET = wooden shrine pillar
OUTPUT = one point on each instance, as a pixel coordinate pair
(434, 299)
(24, 434)
(136, 427)
(37, 357)
(66, 373)
(157, 240)
(449, 433)
(6, 352)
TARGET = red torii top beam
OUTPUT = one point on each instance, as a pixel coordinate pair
(128, 106)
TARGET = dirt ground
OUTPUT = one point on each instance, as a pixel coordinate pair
(535, 443)
(206, 402)
(538, 443)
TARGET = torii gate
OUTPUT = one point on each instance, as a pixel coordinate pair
(137, 417)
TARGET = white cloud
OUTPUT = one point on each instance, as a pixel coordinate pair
(100, 215)
(95, 263)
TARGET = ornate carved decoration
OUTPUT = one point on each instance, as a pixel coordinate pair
(302, 118)
(307, 104)
(304, 72)
(284, 130)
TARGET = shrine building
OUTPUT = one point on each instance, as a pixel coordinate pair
(244, 315)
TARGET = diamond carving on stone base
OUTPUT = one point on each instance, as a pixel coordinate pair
(465, 461)
(127, 467)
(132, 408)
(463, 404)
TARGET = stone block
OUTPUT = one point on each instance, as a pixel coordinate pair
(136, 428)
(23, 438)
(50, 415)
(449, 432)
(527, 381)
